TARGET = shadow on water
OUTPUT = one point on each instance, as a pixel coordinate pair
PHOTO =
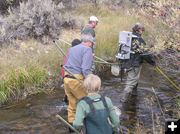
(140, 113)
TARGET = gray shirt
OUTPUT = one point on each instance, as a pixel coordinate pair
(79, 60)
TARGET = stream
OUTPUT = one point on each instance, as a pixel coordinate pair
(145, 111)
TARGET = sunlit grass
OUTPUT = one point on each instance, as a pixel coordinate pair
(108, 34)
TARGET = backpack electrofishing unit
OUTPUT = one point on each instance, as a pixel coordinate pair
(125, 42)
(124, 52)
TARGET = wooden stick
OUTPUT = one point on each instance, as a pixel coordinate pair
(69, 125)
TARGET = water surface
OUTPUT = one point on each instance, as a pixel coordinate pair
(145, 111)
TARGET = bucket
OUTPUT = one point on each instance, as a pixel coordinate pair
(115, 70)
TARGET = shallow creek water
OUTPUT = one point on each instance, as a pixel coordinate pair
(141, 113)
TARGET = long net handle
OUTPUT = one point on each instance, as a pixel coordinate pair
(157, 68)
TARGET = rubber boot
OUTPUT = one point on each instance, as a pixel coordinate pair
(134, 92)
(124, 97)
(65, 99)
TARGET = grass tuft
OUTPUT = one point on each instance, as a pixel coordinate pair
(21, 79)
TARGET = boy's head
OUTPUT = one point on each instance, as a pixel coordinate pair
(75, 42)
(92, 83)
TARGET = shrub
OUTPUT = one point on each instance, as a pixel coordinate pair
(34, 18)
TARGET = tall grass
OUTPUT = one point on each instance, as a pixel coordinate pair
(26, 68)
(108, 33)
(19, 80)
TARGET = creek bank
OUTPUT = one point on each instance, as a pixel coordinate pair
(52, 84)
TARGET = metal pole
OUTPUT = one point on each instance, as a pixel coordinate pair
(65, 42)
(60, 49)
(160, 71)
(159, 103)
(100, 59)
(94, 56)
(69, 125)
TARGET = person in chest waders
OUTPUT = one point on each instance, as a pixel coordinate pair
(77, 67)
(134, 64)
(94, 111)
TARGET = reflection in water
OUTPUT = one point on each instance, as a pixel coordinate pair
(36, 114)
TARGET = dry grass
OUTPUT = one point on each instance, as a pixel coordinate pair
(25, 53)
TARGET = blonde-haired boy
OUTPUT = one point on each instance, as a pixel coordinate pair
(94, 111)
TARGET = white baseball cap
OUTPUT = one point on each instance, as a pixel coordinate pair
(93, 18)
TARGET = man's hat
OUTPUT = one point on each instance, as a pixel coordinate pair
(87, 37)
(93, 18)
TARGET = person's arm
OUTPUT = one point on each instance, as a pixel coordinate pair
(87, 62)
(149, 58)
(114, 118)
(80, 115)
(139, 45)
(147, 55)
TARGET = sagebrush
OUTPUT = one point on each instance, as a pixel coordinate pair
(34, 18)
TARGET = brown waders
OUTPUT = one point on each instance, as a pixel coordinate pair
(74, 91)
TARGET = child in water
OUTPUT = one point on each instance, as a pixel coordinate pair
(94, 111)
